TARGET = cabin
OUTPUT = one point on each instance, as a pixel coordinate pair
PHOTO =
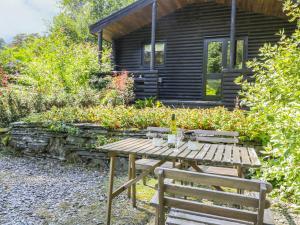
(180, 51)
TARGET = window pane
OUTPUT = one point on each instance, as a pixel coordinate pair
(214, 57)
(239, 54)
(159, 53)
(239, 61)
(147, 54)
(213, 87)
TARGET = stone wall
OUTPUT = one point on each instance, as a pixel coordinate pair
(4, 137)
(77, 142)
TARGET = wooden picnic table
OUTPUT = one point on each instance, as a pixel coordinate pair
(225, 155)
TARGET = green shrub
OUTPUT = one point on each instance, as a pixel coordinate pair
(119, 90)
(147, 102)
(15, 105)
(274, 101)
(17, 102)
(44, 72)
(53, 63)
(130, 117)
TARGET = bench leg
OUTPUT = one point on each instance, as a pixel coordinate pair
(133, 188)
(110, 189)
(129, 177)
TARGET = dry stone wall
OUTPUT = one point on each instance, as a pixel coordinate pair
(76, 142)
(73, 142)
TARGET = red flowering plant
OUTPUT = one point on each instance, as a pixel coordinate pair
(4, 81)
(120, 89)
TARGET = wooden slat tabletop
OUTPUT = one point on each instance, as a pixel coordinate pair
(216, 154)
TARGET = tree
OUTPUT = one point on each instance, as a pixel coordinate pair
(2, 43)
(20, 39)
(274, 101)
(77, 15)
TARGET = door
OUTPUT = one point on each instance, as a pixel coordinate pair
(216, 58)
(214, 63)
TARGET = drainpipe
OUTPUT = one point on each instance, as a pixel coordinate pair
(100, 48)
(233, 35)
(153, 35)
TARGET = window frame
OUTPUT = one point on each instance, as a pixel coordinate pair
(245, 56)
(224, 41)
(147, 65)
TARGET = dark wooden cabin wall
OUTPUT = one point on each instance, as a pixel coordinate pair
(184, 32)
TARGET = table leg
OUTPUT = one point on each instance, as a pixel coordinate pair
(241, 175)
(133, 170)
(129, 177)
(110, 189)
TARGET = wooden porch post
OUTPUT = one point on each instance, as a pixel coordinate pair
(113, 46)
(233, 35)
(100, 48)
(153, 35)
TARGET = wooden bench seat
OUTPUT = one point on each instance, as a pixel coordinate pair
(218, 170)
(143, 164)
(184, 217)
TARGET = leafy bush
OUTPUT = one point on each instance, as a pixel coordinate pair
(18, 102)
(119, 91)
(129, 117)
(46, 72)
(53, 63)
(274, 101)
(147, 102)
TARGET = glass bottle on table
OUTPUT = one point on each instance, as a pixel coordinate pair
(173, 132)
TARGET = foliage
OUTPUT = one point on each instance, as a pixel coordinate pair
(77, 15)
(214, 64)
(104, 140)
(18, 102)
(2, 43)
(147, 102)
(46, 72)
(56, 70)
(274, 101)
(130, 117)
(119, 91)
(52, 63)
(100, 83)
(62, 127)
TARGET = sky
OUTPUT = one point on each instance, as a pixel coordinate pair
(25, 16)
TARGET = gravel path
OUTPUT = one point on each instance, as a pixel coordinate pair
(38, 191)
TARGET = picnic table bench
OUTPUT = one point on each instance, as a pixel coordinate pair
(172, 197)
(225, 155)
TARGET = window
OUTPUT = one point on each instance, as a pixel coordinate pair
(239, 55)
(217, 57)
(214, 68)
(159, 54)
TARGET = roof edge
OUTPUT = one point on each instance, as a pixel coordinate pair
(96, 27)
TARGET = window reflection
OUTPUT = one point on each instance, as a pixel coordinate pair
(159, 54)
(214, 57)
(239, 60)
(213, 87)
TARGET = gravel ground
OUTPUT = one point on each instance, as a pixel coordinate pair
(38, 191)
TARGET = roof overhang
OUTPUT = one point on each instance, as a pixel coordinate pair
(138, 14)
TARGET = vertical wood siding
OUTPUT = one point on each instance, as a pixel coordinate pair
(184, 32)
